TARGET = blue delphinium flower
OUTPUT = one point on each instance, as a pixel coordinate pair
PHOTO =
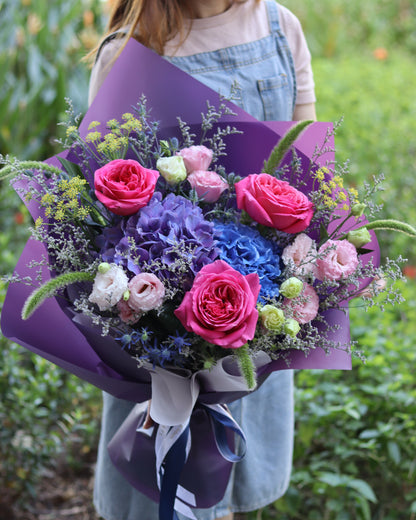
(128, 340)
(172, 230)
(247, 251)
(165, 352)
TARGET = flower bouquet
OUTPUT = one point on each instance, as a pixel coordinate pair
(185, 261)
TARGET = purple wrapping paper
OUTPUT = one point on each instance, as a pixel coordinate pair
(79, 348)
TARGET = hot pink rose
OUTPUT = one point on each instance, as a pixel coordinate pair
(208, 185)
(196, 158)
(336, 259)
(221, 306)
(146, 292)
(124, 186)
(305, 307)
(274, 203)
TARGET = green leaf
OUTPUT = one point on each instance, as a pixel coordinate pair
(364, 506)
(332, 479)
(364, 489)
(394, 452)
(280, 150)
(71, 168)
(369, 434)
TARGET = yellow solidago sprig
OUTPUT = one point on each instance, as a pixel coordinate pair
(114, 144)
(332, 194)
(63, 203)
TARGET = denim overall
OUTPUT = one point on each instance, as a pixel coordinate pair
(264, 74)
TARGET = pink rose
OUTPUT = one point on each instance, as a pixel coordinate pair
(305, 307)
(127, 314)
(124, 186)
(221, 305)
(146, 292)
(208, 185)
(274, 203)
(196, 158)
(302, 254)
(336, 259)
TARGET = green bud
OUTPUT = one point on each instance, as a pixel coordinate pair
(291, 288)
(209, 363)
(358, 209)
(359, 237)
(272, 317)
(291, 327)
(126, 295)
(164, 147)
(104, 267)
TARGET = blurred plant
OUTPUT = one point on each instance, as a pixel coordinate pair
(44, 413)
(41, 44)
(378, 131)
(334, 27)
(354, 449)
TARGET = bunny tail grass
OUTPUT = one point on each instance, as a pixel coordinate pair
(246, 366)
(392, 225)
(48, 289)
(20, 166)
(279, 151)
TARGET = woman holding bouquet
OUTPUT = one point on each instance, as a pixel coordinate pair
(255, 49)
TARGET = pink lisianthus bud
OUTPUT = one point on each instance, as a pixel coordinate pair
(305, 307)
(146, 292)
(208, 185)
(197, 157)
(127, 314)
(302, 254)
(336, 259)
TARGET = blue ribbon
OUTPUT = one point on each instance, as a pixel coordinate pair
(176, 458)
(219, 423)
(173, 464)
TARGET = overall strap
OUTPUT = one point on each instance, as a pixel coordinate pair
(112, 36)
(273, 15)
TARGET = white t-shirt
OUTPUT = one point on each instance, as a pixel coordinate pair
(242, 23)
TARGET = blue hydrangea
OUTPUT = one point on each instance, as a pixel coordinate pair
(247, 251)
(169, 229)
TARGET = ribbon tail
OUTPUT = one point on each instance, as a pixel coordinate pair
(173, 464)
(220, 420)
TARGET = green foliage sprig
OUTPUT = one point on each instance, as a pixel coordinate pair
(50, 288)
(280, 150)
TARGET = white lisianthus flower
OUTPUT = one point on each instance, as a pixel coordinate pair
(172, 169)
(109, 287)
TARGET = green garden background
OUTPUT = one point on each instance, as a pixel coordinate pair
(355, 447)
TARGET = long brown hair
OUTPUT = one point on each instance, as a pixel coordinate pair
(151, 22)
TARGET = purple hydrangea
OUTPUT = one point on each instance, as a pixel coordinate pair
(171, 230)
